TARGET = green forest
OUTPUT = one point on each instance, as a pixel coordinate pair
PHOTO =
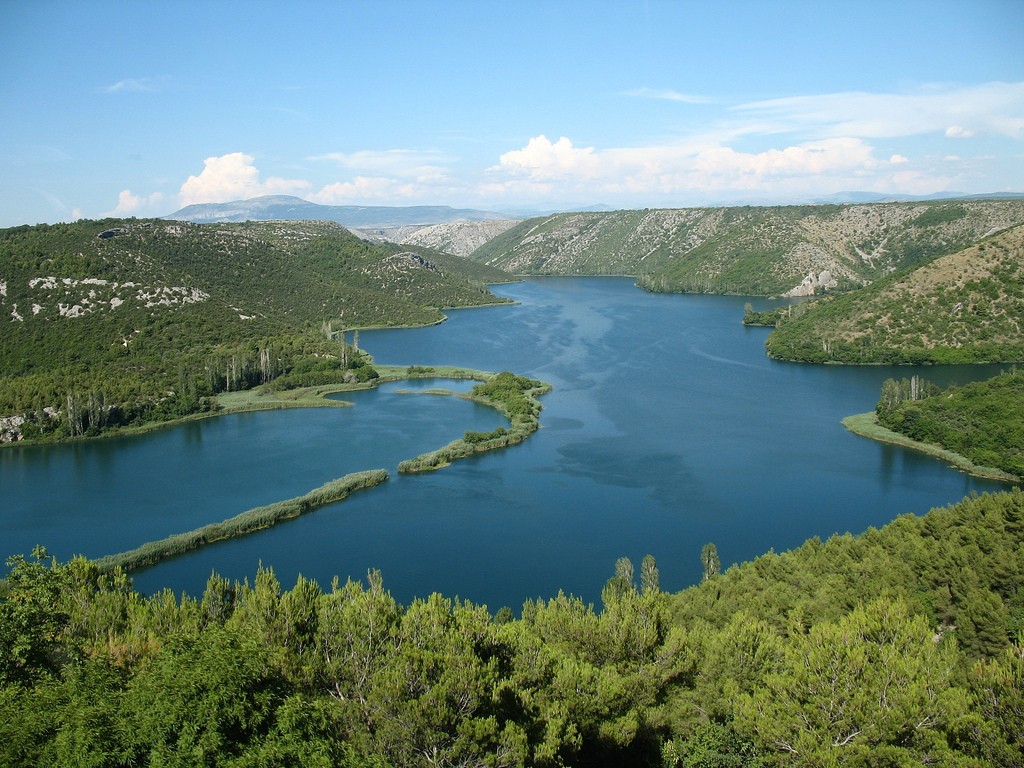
(118, 323)
(901, 646)
(981, 420)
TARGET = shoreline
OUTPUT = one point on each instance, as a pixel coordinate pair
(259, 518)
(249, 521)
(866, 425)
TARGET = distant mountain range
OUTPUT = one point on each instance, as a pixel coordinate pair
(360, 217)
(875, 197)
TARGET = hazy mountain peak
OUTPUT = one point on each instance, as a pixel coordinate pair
(290, 208)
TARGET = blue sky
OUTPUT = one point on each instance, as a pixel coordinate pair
(139, 108)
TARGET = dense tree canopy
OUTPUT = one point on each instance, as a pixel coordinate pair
(901, 646)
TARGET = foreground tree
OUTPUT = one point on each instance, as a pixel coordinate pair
(873, 686)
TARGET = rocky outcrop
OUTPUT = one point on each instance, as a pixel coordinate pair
(457, 238)
(813, 284)
(10, 428)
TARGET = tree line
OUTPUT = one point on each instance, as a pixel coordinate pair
(901, 646)
(983, 421)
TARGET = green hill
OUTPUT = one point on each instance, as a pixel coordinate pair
(964, 307)
(766, 251)
(139, 317)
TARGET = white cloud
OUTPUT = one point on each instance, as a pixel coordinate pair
(363, 188)
(540, 159)
(669, 174)
(667, 94)
(130, 204)
(234, 177)
(959, 132)
(996, 108)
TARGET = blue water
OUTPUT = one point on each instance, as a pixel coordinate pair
(667, 428)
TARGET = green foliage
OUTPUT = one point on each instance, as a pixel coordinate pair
(30, 619)
(983, 421)
(960, 308)
(251, 520)
(994, 730)
(940, 214)
(202, 700)
(960, 566)
(512, 395)
(474, 438)
(872, 685)
(712, 745)
(768, 318)
(891, 648)
(151, 320)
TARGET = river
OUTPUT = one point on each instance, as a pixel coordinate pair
(667, 428)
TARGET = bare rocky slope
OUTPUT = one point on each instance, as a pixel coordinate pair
(964, 307)
(770, 251)
(457, 238)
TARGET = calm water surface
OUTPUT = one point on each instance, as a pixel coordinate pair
(667, 428)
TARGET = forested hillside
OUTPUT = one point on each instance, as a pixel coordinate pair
(901, 646)
(982, 421)
(798, 250)
(109, 322)
(964, 307)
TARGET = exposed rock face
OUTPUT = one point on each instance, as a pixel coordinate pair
(10, 428)
(459, 238)
(77, 297)
(812, 284)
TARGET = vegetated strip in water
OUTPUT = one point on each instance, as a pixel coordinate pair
(515, 397)
(249, 521)
(866, 425)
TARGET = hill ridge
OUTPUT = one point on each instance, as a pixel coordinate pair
(760, 250)
(290, 208)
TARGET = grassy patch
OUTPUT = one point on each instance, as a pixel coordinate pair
(251, 520)
(866, 425)
(514, 396)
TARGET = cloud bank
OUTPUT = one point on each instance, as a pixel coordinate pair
(234, 177)
(781, 149)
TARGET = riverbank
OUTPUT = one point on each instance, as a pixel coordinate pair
(496, 391)
(866, 425)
